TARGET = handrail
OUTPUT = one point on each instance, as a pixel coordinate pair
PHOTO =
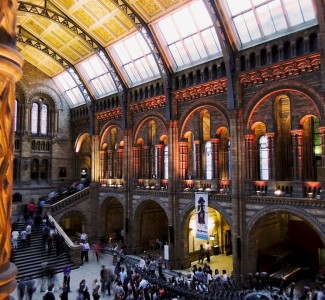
(69, 200)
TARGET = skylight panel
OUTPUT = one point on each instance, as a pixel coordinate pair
(69, 88)
(137, 61)
(189, 35)
(98, 77)
(265, 19)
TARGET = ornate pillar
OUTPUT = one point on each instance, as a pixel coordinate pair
(120, 163)
(215, 154)
(198, 161)
(110, 162)
(271, 156)
(160, 160)
(297, 153)
(10, 72)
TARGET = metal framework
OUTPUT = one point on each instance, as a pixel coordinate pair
(144, 30)
(37, 44)
(226, 49)
(74, 27)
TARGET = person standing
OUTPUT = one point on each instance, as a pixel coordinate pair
(83, 288)
(160, 263)
(29, 233)
(201, 254)
(66, 276)
(103, 279)
(14, 239)
(207, 249)
(96, 287)
(31, 208)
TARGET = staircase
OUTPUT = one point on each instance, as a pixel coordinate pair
(29, 259)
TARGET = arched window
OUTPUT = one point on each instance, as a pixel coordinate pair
(39, 118)
(264, 157)
(208, 160)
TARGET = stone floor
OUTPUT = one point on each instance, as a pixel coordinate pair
(89, 271)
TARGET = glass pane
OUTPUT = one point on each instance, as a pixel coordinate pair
(43, 120)
(211, 41)
(200, 15)
(122, 53)
(182, 52)
(168, 28)
(190, 45)
(88, 69)
(175, 55)
(252, 25)
(266, 21)
(307, 9)
(278, 16)
(242, 29)
(184, 22)
(237, 7)
(294, 12)
(34, 118)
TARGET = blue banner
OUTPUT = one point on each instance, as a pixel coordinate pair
(201, 209)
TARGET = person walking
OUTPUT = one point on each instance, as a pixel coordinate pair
(96, 287)
(30, 287)
(65, 292)
(21, 288)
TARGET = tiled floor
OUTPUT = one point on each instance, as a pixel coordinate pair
(89, 271)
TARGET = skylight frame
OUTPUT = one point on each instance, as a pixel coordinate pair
(282, 24)
(69, 88)
(97, 76)
(135, 59)
(176, 40)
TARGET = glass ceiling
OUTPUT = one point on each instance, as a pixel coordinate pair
(96, 73)
(189, 36)
(69, 88)
(260, 19)
(136, 59)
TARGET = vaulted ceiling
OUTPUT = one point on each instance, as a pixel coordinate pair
(61, 35)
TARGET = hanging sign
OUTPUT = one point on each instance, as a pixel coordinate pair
(201, 209)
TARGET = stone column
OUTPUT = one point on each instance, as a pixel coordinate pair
(10, 72)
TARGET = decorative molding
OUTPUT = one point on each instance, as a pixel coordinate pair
(109, 114)
(290, 68)
(201, 90)
(148, 104)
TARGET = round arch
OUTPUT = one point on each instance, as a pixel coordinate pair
(149, 213)
(274, 238)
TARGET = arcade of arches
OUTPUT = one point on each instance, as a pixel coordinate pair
(247, 129)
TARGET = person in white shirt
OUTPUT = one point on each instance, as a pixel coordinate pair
(14, 239)
(29, 233)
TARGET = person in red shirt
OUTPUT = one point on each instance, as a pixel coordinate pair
(31, 208)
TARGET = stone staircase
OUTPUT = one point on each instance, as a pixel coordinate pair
(30, 260)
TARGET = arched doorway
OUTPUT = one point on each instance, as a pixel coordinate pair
(111, 219)
(283, 240)
(151, 223)
(219, 237)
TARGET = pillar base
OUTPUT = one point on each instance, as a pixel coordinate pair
(8, 281)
